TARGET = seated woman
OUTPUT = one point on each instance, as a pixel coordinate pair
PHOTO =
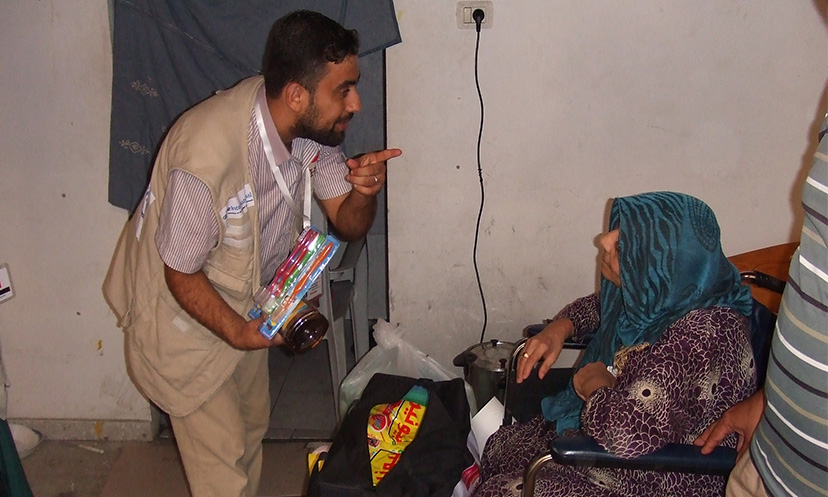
(670, 322)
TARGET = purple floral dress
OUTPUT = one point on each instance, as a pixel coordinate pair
(667, 392)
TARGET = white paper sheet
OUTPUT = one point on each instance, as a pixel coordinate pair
(486, 422)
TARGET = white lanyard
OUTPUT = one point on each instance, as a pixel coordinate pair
(277, 174)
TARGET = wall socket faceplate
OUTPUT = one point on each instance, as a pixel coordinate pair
(6, 290)
(464, 13)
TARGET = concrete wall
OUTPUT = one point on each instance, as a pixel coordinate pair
(62, 351)
(584, 101)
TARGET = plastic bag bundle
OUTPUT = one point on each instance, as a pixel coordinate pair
(393, 355)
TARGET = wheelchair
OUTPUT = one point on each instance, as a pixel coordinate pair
(764, 270)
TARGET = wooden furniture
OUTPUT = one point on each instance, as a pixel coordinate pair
(774, 261)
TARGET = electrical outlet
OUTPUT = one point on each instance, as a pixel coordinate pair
(6, 290)
(465, 9)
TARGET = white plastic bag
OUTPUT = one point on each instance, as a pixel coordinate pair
(393, 355)
(483, 424)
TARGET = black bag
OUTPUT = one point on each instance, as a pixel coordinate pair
(430, 465)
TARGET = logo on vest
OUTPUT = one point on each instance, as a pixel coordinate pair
(149, 198)
(237, 206)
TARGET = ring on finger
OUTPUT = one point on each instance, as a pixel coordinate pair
(376, 180)
(526, 355)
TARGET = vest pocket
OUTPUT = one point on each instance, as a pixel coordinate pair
(172, 342)
(230, 265)
(235, 286)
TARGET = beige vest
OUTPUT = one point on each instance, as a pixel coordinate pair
(175, 361)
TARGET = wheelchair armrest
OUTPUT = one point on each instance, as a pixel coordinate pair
(533, 329)
(763, 280)
(680, 458)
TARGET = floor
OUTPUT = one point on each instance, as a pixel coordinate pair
(64, 468)
(300, 389)
(303, 418)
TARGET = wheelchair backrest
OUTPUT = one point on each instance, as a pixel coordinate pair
(762, 324)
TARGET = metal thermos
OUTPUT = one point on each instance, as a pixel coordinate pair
(484, 368)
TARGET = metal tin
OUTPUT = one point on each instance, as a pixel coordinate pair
(484, 368)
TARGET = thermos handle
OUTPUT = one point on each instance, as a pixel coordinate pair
(465, 359)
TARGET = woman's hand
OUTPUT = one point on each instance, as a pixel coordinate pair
(544, 348)
(590, 378)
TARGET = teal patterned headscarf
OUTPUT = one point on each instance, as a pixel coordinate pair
(671, 262)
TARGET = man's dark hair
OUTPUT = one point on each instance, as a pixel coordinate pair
(299, 47)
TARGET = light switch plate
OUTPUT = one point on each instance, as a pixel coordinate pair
(6, 290)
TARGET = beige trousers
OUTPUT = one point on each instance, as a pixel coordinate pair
(221, 442)
(744, 480)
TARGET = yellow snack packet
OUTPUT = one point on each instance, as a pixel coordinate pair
(391, 427)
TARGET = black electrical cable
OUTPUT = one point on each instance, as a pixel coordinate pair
(478, 18)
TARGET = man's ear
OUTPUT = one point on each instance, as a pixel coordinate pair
(296, 96)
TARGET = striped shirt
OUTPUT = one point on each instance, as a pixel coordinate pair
(189, 228)
(790, 445)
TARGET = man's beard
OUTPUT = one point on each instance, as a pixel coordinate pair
(306, 128)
